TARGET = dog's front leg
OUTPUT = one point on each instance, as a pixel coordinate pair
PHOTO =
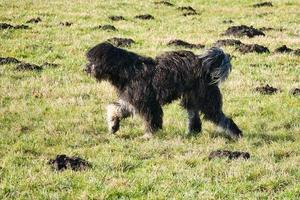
(152, 115)
(117, 111)
(229, 127)
(212, 109)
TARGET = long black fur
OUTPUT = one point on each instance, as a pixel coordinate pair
(145, 84)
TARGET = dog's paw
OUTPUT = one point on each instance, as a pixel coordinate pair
(233, 130)
(233, 135)
(113, 125)
(147, 136)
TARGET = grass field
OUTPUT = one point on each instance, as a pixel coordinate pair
(61, 110)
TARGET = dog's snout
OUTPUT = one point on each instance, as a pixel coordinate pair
(88, 68)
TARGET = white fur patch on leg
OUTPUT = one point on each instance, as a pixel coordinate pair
(223, 126)
(113, 113)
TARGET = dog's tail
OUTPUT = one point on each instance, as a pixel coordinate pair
(216, 64)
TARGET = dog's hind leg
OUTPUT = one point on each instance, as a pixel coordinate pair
(194, 123)
(212, 110)
(117, 111)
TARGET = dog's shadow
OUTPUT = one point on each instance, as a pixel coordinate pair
(269, 138)
(222, 135)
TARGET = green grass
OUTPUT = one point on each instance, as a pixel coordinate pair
(61, 110)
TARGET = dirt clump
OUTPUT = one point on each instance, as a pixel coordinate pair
(297, 52)
(107, 27)
(267, 89)
(116, 17)
(228, 154)
(28, 66)
(185, 44)
(121, 42)
(295, 91)
(8, 60)
(243, 30)
(166, 3)
(63, 162)
(144, 17)
(228, 21)
(189, 13)
(66, 24)
(227, 42)
(250, 48)
(46, 64)
(263, 4)
(266, 29)
(186, 8)
(6, 26)
(270, 29)
(22, 26)
(34, 20)
(9, 26)
(283, 49)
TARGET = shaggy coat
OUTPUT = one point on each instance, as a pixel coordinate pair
(145, 84)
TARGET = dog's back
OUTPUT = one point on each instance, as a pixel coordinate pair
(174, 74)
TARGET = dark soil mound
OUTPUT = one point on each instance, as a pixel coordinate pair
(266, 89)
(227, 42)
(250, 48)
(189, 13)
(34, 20)
(9, 26)
(22, 26)
(228, 154)
(295, 91)
(144, 17)
(121, 42)
(227, 21)
(107, 27)
(240, 31)
(28, 66)
(269, 4)
(5, 26)
(116, 18)
(65, 23)
(297, 52)
(187, 8)
(166, 3)
(63, 162)
(283, 49)
(266, 29)
(8, 60)
(182, 43)
(46, 64)
(270, 29)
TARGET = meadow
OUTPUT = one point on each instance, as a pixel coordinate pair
(61, 110)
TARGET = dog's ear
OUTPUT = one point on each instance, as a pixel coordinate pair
(216, 64)
(95, 54)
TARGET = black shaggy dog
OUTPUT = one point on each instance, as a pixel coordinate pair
(145, 84)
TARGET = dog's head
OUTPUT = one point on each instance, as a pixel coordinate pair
(216, 64)
(100, 61)
(107, 62)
